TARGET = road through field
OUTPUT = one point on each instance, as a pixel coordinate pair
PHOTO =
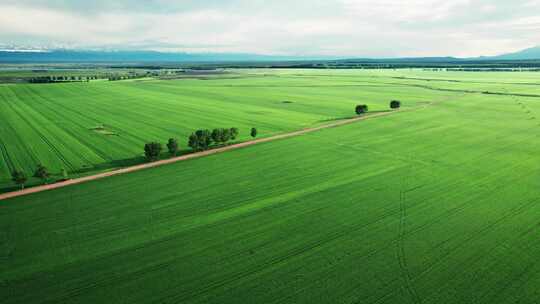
(186, 157)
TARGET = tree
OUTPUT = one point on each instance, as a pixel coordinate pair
(172, 145)
(216, 135)
(42, 173)
(253, 132)
(234, 133)
(64, 174)
(361, 109)
(395, 104)
(193, 142)
(19, 178)
(200, 140)
(204, 139)
(152, 151)
(225, 135)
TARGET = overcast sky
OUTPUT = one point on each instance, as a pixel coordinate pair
(382, 28)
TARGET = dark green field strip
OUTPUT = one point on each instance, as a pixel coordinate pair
(427, 206)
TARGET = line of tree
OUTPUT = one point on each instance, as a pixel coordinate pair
(202, 139)
(41, 172)
(198, 141)
(54, 79)
(124, 77)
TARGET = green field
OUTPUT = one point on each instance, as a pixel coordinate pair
(439, 204)
(54, 124)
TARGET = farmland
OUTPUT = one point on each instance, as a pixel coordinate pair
(91, 127)
(438, 204)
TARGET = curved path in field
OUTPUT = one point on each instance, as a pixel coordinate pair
(187, 156)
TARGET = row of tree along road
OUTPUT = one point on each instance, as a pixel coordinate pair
(199, 140)
(20, 178)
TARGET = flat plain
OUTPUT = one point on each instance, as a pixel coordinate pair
(91, 127)
(437, 204)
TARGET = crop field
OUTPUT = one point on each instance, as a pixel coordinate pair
(96, 126)
(437, 204)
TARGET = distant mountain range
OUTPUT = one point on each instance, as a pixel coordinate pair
(78, 56)
(527, 54)
(81, 56)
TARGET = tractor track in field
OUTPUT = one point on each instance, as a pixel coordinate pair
(296, 252)
(400, 244)
(73, 121)
(6, 157)
(402, 259)
(44, 138)
(196, 155)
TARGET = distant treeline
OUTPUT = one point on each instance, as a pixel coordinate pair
(124, 77)
(52, 79)
(428, 63)
(85, 78)
(493, 70)
(450, 64)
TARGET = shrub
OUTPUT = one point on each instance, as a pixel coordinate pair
(253, 132)
(360, 109)
(395, 104)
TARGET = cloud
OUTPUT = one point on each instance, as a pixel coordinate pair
(386, 28)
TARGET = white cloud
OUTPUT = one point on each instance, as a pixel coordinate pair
(316, 27)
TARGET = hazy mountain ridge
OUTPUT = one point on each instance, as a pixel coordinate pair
(136, 56)
(78, 56)
(526, 54)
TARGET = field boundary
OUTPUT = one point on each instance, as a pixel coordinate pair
(158, 163)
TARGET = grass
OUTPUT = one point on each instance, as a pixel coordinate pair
(54, 124)
(436, 205)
